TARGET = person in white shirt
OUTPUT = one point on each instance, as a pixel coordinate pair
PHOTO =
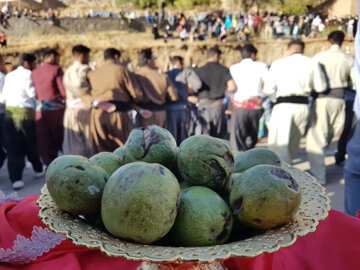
(328, 110)
(291, 80)
(352, 164)
(249, 76)
(18, 95)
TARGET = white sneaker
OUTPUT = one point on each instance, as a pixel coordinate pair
(18, 184)
(39, 174)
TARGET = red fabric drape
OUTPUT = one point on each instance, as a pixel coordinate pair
(334, 245)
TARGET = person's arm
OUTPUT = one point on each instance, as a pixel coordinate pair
(231, 86)
(319, 81)
(230, 83)
(77, 81)
(132, 85)
(352, 73)
(270, 87)
(59, 82)
(264, 77)
(171, 90)
(190, 78)
(29, 87)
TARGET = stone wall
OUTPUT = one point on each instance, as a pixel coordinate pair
(22, 27)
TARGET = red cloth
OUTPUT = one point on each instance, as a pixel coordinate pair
(334, 245)
(48, 83)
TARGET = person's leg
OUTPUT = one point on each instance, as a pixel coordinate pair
(14, 142)
(42, 134)
(31, 145)
(183, 123)
(237, 125)
(279, 132)
(171, 120)
(345, 136)
(253, 123)
(352, 191)
(336, 111)
(56, 133)
(316, 140)
(235, 138)
(203, 122)
(50, 134)
(218, 122)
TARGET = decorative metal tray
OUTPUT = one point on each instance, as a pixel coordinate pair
(314, 207)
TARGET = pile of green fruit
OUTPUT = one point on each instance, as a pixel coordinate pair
(134, 192)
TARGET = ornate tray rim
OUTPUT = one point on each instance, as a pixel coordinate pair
(180, 257)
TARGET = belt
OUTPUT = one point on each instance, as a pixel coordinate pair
(176, 106)
(334, 92)
(293, 99)
(122, 106)
(210, 103)
(49, 105)
(153, 107)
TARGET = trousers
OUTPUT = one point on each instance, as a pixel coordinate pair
(244, 129)
(76, 132)
(327, 120)
(50, 134)
(211, 121)
(352, 174)
(288, 124)
(20, 141)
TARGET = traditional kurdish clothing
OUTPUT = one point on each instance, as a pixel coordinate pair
(291, 81)
(19, 122)
(328, 112)
(77, 114)
(157, 89)
(50, 108)
(111, 82)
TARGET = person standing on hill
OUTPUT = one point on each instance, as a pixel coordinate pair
(157, 90)
(18, 95)
(50, 107)
(77, 114)
(291, 80)
(216, 80)
(249, 76)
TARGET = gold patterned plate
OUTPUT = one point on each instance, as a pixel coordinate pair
(314, 207)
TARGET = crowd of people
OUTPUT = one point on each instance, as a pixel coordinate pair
(168, 23)
(46, 112)
(220, 24)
